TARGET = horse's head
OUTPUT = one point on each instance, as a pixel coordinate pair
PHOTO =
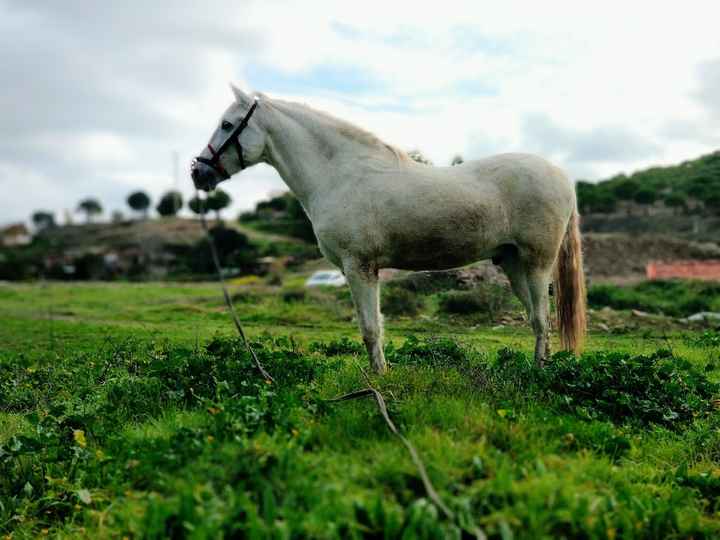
(237, 143)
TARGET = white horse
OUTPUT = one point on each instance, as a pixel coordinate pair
(372, 207)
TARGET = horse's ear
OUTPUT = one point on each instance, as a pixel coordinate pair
(240, 96)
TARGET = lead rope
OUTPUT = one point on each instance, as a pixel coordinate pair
(369, 391)
(226, 295)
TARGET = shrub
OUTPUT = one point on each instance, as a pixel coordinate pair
(659, 388)
(293, 295)
(398, 301)
(429, 282)
(432, 352)
(489, 299)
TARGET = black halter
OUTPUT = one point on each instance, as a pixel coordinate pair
(234, 137)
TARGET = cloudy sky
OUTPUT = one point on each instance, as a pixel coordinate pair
(96, 97)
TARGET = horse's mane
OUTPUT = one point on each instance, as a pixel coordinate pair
(345, 128)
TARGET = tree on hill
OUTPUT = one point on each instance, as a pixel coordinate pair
(217, 200)
(170, 204)
(594, 198)
(604, 202)
(281, 215)
(276, 204)
(712, 202)
(674, 201)
(140, 202)
(301, 224)
(457, 160)
(586, 193)
(645, 197)
(625, 190)
(43, 220)
(234, 249)
(196, 205)
(90, 207)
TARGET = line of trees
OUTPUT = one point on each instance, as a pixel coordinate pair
(140, 202)
(607, 197)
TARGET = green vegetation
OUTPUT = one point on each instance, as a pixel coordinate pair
(132, 410)
(170, 204)
(676, 298)
(43, 220)
(398, 301)
(488, 299)
(90, 207)
(696, 181)
(280, 215)
(139, 201)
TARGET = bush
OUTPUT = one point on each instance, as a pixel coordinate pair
(293, 295)
(429, 282)
(234, 250)
(489, 299)
(398, 301)
(659, 388)
(430, 352)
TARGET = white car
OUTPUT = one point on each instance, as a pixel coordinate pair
(327, 278)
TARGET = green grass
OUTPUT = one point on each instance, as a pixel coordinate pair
(676, 298)
(131, 411)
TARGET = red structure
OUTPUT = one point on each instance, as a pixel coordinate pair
(705, 270)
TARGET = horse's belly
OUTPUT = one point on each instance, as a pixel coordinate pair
(434, 252)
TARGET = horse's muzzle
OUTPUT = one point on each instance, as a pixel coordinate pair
(204, 177)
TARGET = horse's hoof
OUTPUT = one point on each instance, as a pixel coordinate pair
(380, 369)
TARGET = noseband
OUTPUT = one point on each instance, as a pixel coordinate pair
(233, 138)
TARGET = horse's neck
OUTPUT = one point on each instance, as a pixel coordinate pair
(308, 154)
(293, 151)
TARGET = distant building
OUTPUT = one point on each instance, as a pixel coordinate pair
(708, 270)
(16, 234)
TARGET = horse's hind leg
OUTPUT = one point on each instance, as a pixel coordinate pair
(539, 281)
(513, 267)
(366, 296)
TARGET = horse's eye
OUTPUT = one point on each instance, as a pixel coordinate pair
(226, 125)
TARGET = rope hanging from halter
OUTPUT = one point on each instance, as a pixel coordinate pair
(226, 295)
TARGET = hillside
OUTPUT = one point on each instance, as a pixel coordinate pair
(152, 234)
(691, 188)
(703, 171)
(173, 248)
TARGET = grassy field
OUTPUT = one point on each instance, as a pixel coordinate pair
(130, 410)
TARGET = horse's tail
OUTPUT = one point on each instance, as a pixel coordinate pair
(570, 297)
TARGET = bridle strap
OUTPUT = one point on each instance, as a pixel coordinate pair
(233, 138)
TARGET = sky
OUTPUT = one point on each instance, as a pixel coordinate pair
(97, 98)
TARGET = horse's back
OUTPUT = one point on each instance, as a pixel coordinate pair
(517, 171)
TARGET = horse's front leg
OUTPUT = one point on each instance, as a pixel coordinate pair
(366, 295)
